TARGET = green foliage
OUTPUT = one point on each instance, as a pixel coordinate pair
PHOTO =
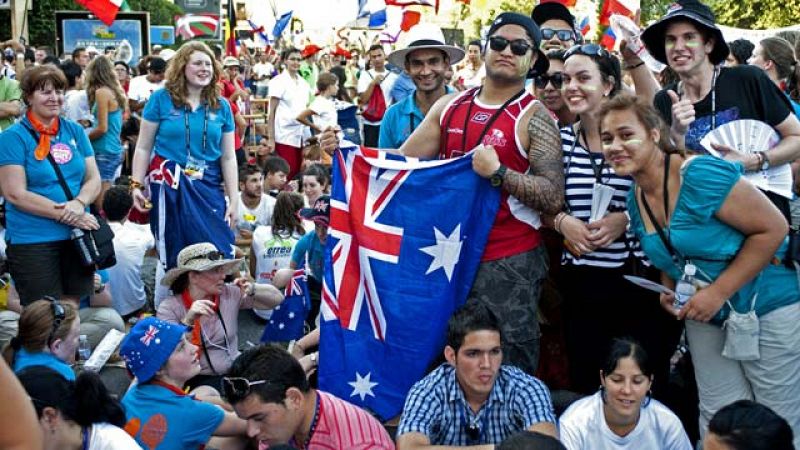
(485, 17)
(162, 12)
(749, 14)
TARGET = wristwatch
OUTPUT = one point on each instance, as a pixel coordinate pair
(764, 161)
(497, 178)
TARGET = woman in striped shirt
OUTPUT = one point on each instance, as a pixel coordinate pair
(599, 304)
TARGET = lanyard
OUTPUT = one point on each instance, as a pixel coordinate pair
(665, 238)
(314, 423)
(85, 435)
(597, 170)
(489, 123)
(713, 96)
(199, 334)
(412, 125)
(484, 425)
(186, 112)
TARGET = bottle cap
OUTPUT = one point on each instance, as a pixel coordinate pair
(690, 269)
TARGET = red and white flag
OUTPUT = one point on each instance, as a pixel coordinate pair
(105, 10)
(194, 25)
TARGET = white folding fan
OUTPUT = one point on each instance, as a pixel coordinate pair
(750, 136)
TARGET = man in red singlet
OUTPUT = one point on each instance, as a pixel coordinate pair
(516, 144)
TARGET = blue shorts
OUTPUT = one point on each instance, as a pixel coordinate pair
(108, 165)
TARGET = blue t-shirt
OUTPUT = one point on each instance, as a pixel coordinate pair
(311, 246)
(24, 359)
(161, 419)
(400, 120)
(70, 147)
(170, 140)
(709, 243)
(109, 143)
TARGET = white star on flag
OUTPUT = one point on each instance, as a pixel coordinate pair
(362, 387)
(446, 252)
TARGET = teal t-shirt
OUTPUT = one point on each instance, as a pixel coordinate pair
(109, 143)
(70, 148)
(170, 140)
(699, 236)
(24, 359)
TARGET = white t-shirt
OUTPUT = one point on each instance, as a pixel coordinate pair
(131, 242)
(583, 427)
(76, 106)
(249, 219)
(105, 436)
(293, 95)
(271, 252)
(325, 112)
(386, 86)
(471, 78)
(140, 89)
(263, 70)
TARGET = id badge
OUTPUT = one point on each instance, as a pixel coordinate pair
(195, 168)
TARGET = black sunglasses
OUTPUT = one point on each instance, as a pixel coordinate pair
(238, 387)
(587, 50)
(214, 255)
(518, 47)
(59, 314)
(563, 35)
(556, 78)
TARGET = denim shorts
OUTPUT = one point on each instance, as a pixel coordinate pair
(109, 166)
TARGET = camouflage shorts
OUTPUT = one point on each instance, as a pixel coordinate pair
(511, 288)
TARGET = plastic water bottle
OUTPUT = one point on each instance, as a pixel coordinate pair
(84, 350)
(628, 30)
(685, 288)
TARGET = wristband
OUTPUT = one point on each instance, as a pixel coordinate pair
(78, 199)
(629, 67)
(135, 185)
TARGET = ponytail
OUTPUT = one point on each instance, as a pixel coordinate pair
(94, 404)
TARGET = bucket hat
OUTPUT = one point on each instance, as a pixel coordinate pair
(199, 258)
(694, 11)
(425, 36)
(149, 345)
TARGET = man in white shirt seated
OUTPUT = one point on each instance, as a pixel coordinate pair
(255, 206)
(143, 86)
(131, 242)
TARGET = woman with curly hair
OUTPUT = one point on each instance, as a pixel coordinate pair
(107, 101)
(189, 127)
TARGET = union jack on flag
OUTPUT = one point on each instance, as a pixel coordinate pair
(287, 322)
(405, 239)
(149, 335)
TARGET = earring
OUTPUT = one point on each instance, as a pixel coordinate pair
(603, 395)
(647, 398)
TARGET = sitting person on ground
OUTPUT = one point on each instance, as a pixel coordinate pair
(275, 171)
(202, 300)
(76, 415)
(623, 414)
(747, 425)
(97, 313)
(255, 207)
(267, 387)
(48, 336)
(131, 243)
(472, 399)
(160, 415)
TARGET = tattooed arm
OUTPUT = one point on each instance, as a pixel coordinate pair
(543, 188)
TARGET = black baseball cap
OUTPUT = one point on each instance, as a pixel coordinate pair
(511, 18)
(552, 10)
(320, 212)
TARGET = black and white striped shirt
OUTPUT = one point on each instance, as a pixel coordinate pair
(580, 180)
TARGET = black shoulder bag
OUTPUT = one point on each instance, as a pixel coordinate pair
(95, 247)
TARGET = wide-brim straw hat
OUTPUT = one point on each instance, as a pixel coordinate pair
(425, 36)
(199, 258)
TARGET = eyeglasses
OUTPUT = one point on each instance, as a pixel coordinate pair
(518, 47)
(556, 78)
(563, 35)
(59, 314)
(213, 255)
(238, 387)
(587, 50)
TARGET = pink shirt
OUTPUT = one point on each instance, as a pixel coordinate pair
(345, 426)
(221, 350)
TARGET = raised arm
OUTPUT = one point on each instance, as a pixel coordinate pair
(543, 188)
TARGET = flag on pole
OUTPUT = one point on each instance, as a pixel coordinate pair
(288, 319)
(609, 39)
(105, 10)
(281, 24)
(627, 8)
(230, 35)
(196, 25)
(405, 240)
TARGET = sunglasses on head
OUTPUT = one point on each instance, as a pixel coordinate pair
(556, 78)
(211, 256)
(59, 314)
(563, 35)
(238, 387)
(587, 50)
(518, 46)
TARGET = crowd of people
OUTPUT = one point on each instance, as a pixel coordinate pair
(213, 174)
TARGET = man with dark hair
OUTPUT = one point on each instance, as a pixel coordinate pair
(131, 242)
(557, 25)
(425, 58)
(268, 388)
(275, 171)
(143, 86)
(80, 57)
(472, 399)
(527, 440)
(377, 75)
(747, 425)
(473, 72)
(255, 207)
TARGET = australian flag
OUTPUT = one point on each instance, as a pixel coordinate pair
(288, 319)
(405, 240)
